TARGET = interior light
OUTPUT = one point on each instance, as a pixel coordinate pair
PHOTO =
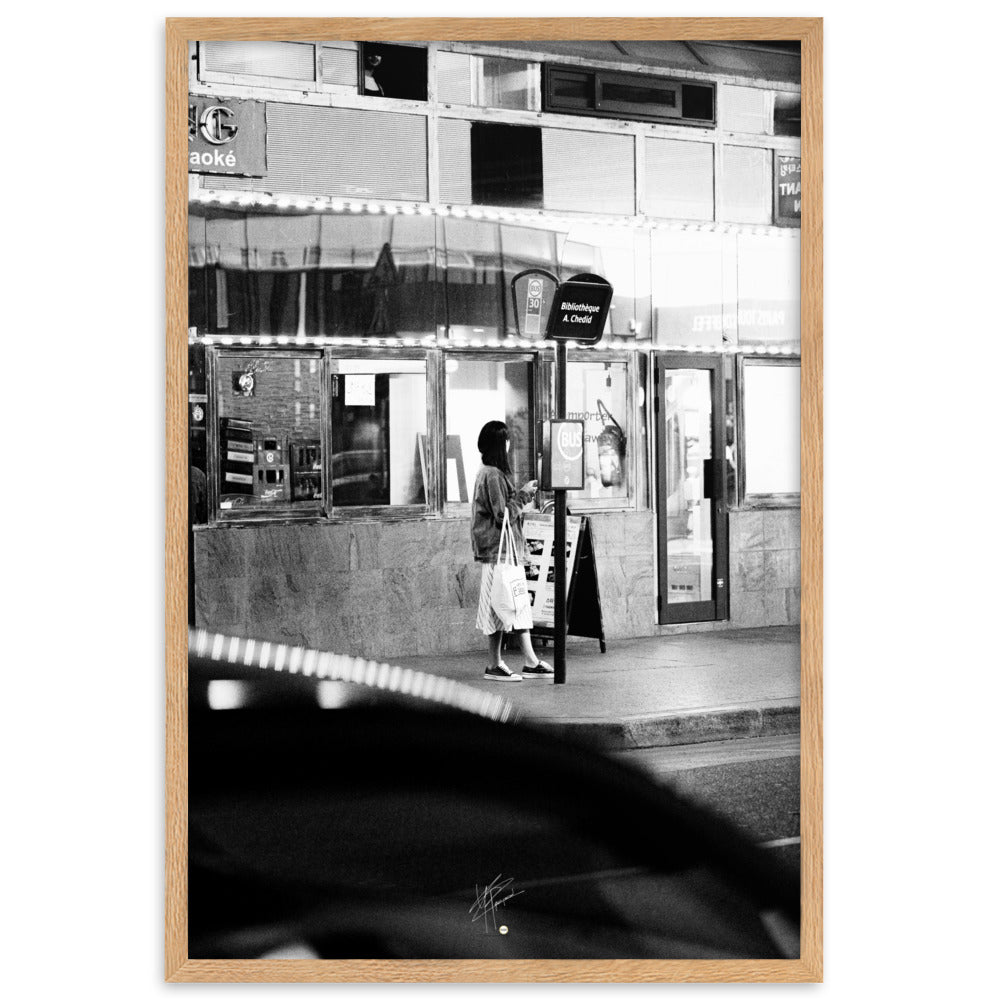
(355, 207)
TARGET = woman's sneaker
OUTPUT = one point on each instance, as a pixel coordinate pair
(540, 670)
(500, 673)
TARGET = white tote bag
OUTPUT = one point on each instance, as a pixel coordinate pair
(509, 595)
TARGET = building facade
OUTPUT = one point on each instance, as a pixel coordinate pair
(357, 214)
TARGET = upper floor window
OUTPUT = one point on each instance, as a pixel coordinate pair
(609, 94)
(486, 81)
(378, 69)
(394, 71)
(787, 114)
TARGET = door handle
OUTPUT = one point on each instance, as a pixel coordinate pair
(707, 479)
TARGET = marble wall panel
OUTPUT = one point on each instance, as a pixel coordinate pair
(782, 529)
(746, 530)
(747, 567)
(776, 606)
(220, 554)
(747, 609)
(781, 568)
(793, 600)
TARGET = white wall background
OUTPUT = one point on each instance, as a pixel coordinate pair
(910, 680)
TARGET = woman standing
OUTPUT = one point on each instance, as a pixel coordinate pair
(493, 494)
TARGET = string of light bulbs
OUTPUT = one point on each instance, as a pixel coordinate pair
(349, 206)
(509, 344)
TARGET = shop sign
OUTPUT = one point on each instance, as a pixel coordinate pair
(226, 136)
(712, 324)
(787, 190)
(580, 309)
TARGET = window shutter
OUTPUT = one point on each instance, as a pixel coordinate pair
(680, 182)
(455, 160)
(746, 185)
(588, 172)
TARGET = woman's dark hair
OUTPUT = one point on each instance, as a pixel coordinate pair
(492, 445)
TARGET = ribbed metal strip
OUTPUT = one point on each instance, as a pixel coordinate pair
(588, 171)
(454, 78)
(455, 159)
(679, 179)
(285, 60)
(340, 66)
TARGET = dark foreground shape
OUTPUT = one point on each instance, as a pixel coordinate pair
(371, 831)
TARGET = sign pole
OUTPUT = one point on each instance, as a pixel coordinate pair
(559, 547)
(579, 312)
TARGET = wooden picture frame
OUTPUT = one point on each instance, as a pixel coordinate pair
(808, 968)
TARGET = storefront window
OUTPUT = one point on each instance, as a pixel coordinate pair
(269, 430)
(378, 433)
(597, 394)
(313, 274)
(771, 431)
(479, 390)
(622, 257)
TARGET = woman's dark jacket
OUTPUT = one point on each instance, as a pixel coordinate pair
(492, 495)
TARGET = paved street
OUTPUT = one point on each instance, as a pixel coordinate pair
(754, 783)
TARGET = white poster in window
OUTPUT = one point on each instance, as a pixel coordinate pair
(771, 419)
(359, 390)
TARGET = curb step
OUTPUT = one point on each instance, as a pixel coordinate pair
(707, 726)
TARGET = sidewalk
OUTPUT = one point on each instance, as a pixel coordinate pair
(660, 691)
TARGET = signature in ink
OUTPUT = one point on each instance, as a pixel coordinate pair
(497, 893)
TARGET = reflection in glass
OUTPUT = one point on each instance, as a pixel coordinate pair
(378, 425)
(479, 391)
(596, 393)
(269, 430)
(687, 428)
(297, 274)
(289, 273)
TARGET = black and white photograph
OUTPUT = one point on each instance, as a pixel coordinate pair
(408, 261)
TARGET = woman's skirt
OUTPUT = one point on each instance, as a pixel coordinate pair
(486, 619)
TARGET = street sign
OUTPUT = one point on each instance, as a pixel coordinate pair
(562, 455)
(580, 309)
(532, 292)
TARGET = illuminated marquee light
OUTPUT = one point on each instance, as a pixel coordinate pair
(336, 206)
(510, 343)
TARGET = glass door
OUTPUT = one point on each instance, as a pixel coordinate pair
(691, 484)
